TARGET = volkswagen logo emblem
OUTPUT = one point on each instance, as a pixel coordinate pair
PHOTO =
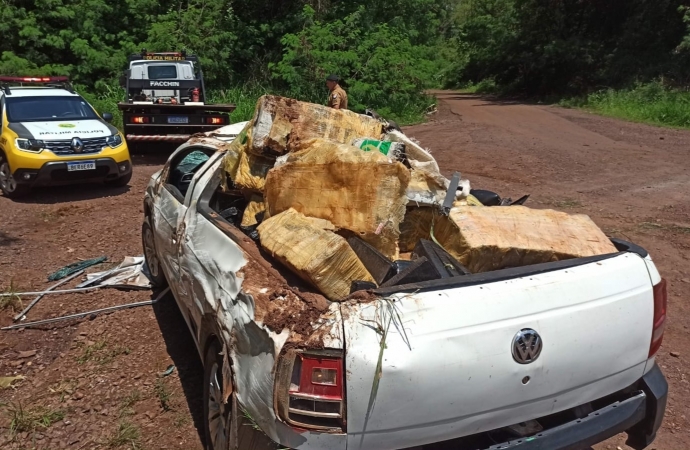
(526, 346)
(77, 145)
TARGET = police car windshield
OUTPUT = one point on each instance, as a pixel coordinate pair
(42, 109)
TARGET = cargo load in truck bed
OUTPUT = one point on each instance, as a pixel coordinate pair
(298, 161)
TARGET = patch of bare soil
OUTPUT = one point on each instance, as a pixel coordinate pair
(94, 383)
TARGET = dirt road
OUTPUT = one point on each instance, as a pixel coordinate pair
(99, 381)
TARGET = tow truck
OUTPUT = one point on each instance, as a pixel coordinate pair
(166, 99)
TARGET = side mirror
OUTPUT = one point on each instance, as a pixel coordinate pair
(108, 117)
(123, 81)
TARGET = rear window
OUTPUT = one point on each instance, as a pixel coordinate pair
(162, 72)
(35, 109)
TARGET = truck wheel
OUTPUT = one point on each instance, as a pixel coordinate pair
(220, 419)
(151, 256)
(8, 184)
(120, 182)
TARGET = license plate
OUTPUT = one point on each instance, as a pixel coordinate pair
(86, 165)
(178, 119)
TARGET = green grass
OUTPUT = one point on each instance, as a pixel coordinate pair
(164, 394)
(127, 435)
(651, 103)
(101, 353)
(243, 97)
(128, 402)
(652, 226)
(105, 101)
(10, 299)
(30, 419)
(567, 203)
(487, 86)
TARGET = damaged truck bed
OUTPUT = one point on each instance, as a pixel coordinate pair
(344, 294)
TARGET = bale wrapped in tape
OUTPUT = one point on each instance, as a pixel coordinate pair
(280, 124)
(429, 188)
(363, 192)
(320, 257)
(486, 239)
(251, 171)
(416, 226)
(246, 170)
(255, 207)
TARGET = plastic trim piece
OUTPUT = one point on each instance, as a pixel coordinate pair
(582, 433)
(655, 386)
(491, 277)
(625, 246)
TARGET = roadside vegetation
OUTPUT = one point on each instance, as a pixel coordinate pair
(386, 52)
(621, 58)
(624, 58)
(652, 103)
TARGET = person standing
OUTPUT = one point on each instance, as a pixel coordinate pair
(337, 97)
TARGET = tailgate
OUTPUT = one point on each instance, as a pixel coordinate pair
(460, 376)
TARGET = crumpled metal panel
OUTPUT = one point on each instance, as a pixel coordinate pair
(209, 269)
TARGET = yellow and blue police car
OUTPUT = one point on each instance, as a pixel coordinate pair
(50, 135)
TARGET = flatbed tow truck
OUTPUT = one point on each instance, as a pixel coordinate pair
(166, 99)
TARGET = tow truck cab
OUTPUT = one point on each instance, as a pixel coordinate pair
(166, 99)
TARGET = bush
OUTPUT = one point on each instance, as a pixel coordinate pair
(379, 66)
(650, 102)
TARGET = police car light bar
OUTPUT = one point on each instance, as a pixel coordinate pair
(35, 79)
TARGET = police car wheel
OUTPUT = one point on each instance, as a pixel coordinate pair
(8, 184)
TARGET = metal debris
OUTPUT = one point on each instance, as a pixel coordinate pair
(168, 371)
(22, 315)
(88, 313)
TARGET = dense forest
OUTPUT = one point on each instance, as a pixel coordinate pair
(387, 52)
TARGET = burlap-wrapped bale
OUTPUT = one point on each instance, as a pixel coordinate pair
(363, 192)
(247, 171)
(416, 226)
(255, 206)
(320, 257)
(280, 124)
(486, 239)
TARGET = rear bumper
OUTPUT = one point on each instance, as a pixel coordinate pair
(640, 416)
(166, 133)
(55, 173)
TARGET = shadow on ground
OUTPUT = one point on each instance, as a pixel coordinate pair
(6, 240)
(182, 349)
(71, 193)
(493, 100)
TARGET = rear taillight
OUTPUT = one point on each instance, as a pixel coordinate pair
(660, 303)
(311, 393)
(319, 378)
(140, 120)
(214, 120)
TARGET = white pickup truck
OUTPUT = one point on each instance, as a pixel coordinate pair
(549, 356)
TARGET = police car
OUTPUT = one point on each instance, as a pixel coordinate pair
(51, 135)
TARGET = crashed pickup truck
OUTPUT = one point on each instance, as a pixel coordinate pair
(426, 347)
